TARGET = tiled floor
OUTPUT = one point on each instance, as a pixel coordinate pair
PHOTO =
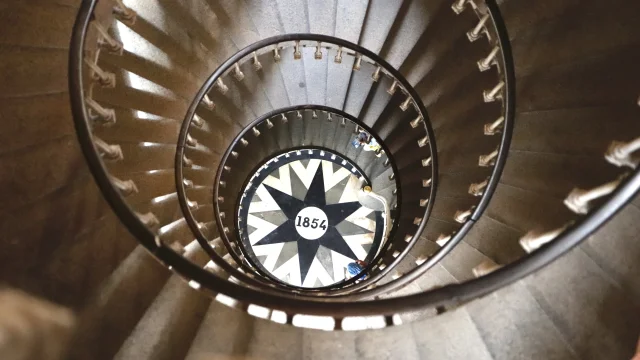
(301, 220)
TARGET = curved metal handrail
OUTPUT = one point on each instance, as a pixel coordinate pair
(338, 289)
(338, 309)
(227, 66)
(501, 159)
(500, 29)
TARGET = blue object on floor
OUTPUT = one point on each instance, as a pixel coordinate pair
(354, 269)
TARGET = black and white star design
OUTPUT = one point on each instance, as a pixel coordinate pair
(288, 232)
(302, 222)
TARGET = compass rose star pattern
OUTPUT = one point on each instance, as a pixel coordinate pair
(305, 223)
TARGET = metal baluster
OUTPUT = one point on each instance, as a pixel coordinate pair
(459, 5)
(125, 187)
(188, 184)
(443, 239)
(376, 73)
(485, 64)
(424, 141)
(415, 123)
(338, 58)
(276, 53)
(578, 199)
(621, 154)
(190, 141)
(462, 216)
(149, 220)
(318, 54)
(485, 268)
(124, 13)
(478, 189)
(488, 160)
(103, 78)
(186, 162)
(221, 86)
(534, 240)
(108, 152)
(493, 94)
(197, 120)
(257, 66)
(297, 55)
(237, 73)
(405, 105)
(100, 114)
(494, 127)
(106, 42)
(193, 205)
(356, 64)
(475, 34)
(208, 103)
(393, 88)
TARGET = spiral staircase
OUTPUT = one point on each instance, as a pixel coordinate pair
(503, 197)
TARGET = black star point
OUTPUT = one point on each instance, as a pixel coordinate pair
(286, 232)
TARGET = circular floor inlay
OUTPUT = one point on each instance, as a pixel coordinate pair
(311, 223)
(303, 218)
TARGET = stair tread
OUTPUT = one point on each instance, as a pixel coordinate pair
(122, 300)
(589, 310)
(513, 326)
(273, 81)
(169, 325)
(616, 250)
(461, 260)
(294, 78)
(451, 335)
(271, 340)
(410, 22)
(223, 332)
(319, 344)
(397, 342)
(377, 24)
(349, 20)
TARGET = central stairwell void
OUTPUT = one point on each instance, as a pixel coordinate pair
(303, 218)
(274, 172)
